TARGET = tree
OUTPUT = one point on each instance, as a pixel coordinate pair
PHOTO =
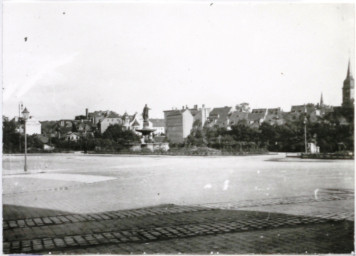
(122, 137)
(10, 136)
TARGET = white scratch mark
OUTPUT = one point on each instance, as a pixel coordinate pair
(226, 185)
(207, 186)
(316, 193)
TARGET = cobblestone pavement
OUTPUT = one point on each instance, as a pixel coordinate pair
(219, 228)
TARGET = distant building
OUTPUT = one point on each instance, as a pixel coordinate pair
(220, 117)
(200, 114)
(158, 125)
(275, 116)
(98, 116)
(73, 136)
(257, 116)
(312, 111)
(109, 120)
(178, 124)
(33, 126)
(348, 90)
(238, 116)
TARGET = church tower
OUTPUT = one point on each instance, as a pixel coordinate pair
(348, 90)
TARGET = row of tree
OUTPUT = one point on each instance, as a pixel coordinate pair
(328, 134)
(115, 138)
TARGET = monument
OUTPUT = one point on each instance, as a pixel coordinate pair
(146, 131)
(147, 140)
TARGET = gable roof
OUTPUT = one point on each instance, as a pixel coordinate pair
(220, 116)
(257, 114)
(237, 116)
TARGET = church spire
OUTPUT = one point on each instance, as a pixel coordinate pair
(349, 70)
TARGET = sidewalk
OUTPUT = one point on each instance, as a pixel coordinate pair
(180, 229)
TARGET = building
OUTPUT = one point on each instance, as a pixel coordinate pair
(33, 126)
(107, 121)
(178, 124)
(220, 117)
(348, 90)
(298, 112)
(98, 116)
(200, 115)
(111, 118)
(257, 116)
(73, 136)
(158, 125)
(275, 116)
(237, 117)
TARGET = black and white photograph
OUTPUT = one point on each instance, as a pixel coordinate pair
(179, 127)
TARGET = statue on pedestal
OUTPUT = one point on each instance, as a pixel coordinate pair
(145, 116)
(146, 131)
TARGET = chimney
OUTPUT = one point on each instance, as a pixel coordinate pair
(195, 106)
(203, 105)
(86, 114)
(182, 107)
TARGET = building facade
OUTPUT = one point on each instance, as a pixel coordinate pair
(33, 126)
(159, 126)
(178, 124)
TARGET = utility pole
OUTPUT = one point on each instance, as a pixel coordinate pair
(305, 130)
(305, 137)
(26, 115)
(20, 108)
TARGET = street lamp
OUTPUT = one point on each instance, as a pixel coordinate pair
(305, 133)
(25, 115)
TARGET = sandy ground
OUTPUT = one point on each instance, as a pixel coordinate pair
(90, 183)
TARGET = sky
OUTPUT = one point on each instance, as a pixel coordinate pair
(62, 57)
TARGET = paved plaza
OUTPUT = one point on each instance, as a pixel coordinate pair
(59, 213)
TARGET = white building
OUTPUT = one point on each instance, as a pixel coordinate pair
(107, 121)
(178, 124)
(33, 126)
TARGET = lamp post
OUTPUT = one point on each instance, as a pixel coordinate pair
(25, 115)
(305, 134)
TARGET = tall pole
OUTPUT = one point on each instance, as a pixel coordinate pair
(19, 127)
(25, 167)
(305, 135)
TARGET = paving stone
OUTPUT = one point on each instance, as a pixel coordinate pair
(71, 218)
(37, 245)
(48, 244)
(100, 238)
(80, 240)
(63, 219)
(55, 220)
(70, 241)
(13, 224)
(59, 242)
(91, 239)
(26, 249)
(15, 245)
(38, 221)
(5, 224)
(21, 223)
